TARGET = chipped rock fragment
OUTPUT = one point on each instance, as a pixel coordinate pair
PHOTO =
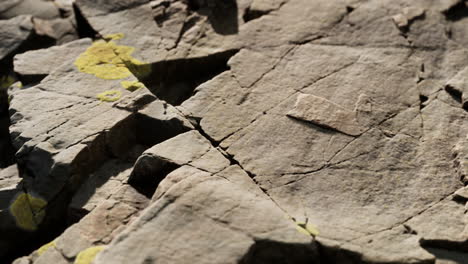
(311, 108)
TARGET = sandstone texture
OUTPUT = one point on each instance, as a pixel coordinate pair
(235, 131)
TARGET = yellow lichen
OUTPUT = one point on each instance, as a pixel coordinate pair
(307, 228)
(107, 60)
(28, 211)
(109, 96)
(87, 256)
(45, 247)
(132, 85)
(115, 36)
(6, 81)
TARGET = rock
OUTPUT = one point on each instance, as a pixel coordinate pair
(168, 155)
(179, 33)
(244, 131)
(400, 20)
(15, 210)
(409, 14)
(37, 8)
(56, 157)
(100, 186)
(458, 87)
(62, 30)
(37, 64)
(223, 234)
(9, 177)
(322, 112)
(91, 230)
(14, 32)
(319, 172)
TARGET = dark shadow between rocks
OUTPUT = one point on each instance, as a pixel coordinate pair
(448, 255)
(335, 254)
(148, 173)
(273, 252)
(457, 96)
(461, 246)
(457, 12)
(7, 152)
(175, 80)
(83, 27)
(319, 127)
(222, 15)
(102, 175)
(454, 93)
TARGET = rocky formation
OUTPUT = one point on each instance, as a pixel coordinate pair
(237, 131)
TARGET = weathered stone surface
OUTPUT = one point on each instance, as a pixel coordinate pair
(322, 112)
(13, 32)
(110, 180)
(178, 33)
(162, 158)
(227, 233)
(37, 8)
(9, 177)
(37, 64)
(264, 122)
(62, 30)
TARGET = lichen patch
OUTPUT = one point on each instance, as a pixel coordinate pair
(107, 60)
(87, 256)
(28, 211)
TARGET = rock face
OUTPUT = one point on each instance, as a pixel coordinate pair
(239, 131)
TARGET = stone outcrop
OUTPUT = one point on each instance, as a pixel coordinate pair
(238, 131)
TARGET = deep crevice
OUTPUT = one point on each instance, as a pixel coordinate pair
(274, 252)
(33, 42)
(445, 244)
(174, 81)
(222, 15)
(148, 173)
(67, 179)
(84, 29)
(457, 11)
(335, 254)
(454, 93)
(450, 255)
(250, 14)
(422, 100)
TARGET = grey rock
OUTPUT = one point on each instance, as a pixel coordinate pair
(62, 30)
(14, 32)
(223, 233)
(9, 177)
(168, 155)
(37, 64)
(325, 113)
(92, 230)
(328, 116)
(37, 8)
(178, 34)
(51, 255)
(100, 186)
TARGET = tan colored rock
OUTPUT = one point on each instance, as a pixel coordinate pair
(228, 232)
(322, 112)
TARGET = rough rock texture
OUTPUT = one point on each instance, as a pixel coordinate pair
(33, 66)
(248, 131)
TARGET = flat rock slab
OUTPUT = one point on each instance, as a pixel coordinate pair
(227, 233)
(39, 63)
